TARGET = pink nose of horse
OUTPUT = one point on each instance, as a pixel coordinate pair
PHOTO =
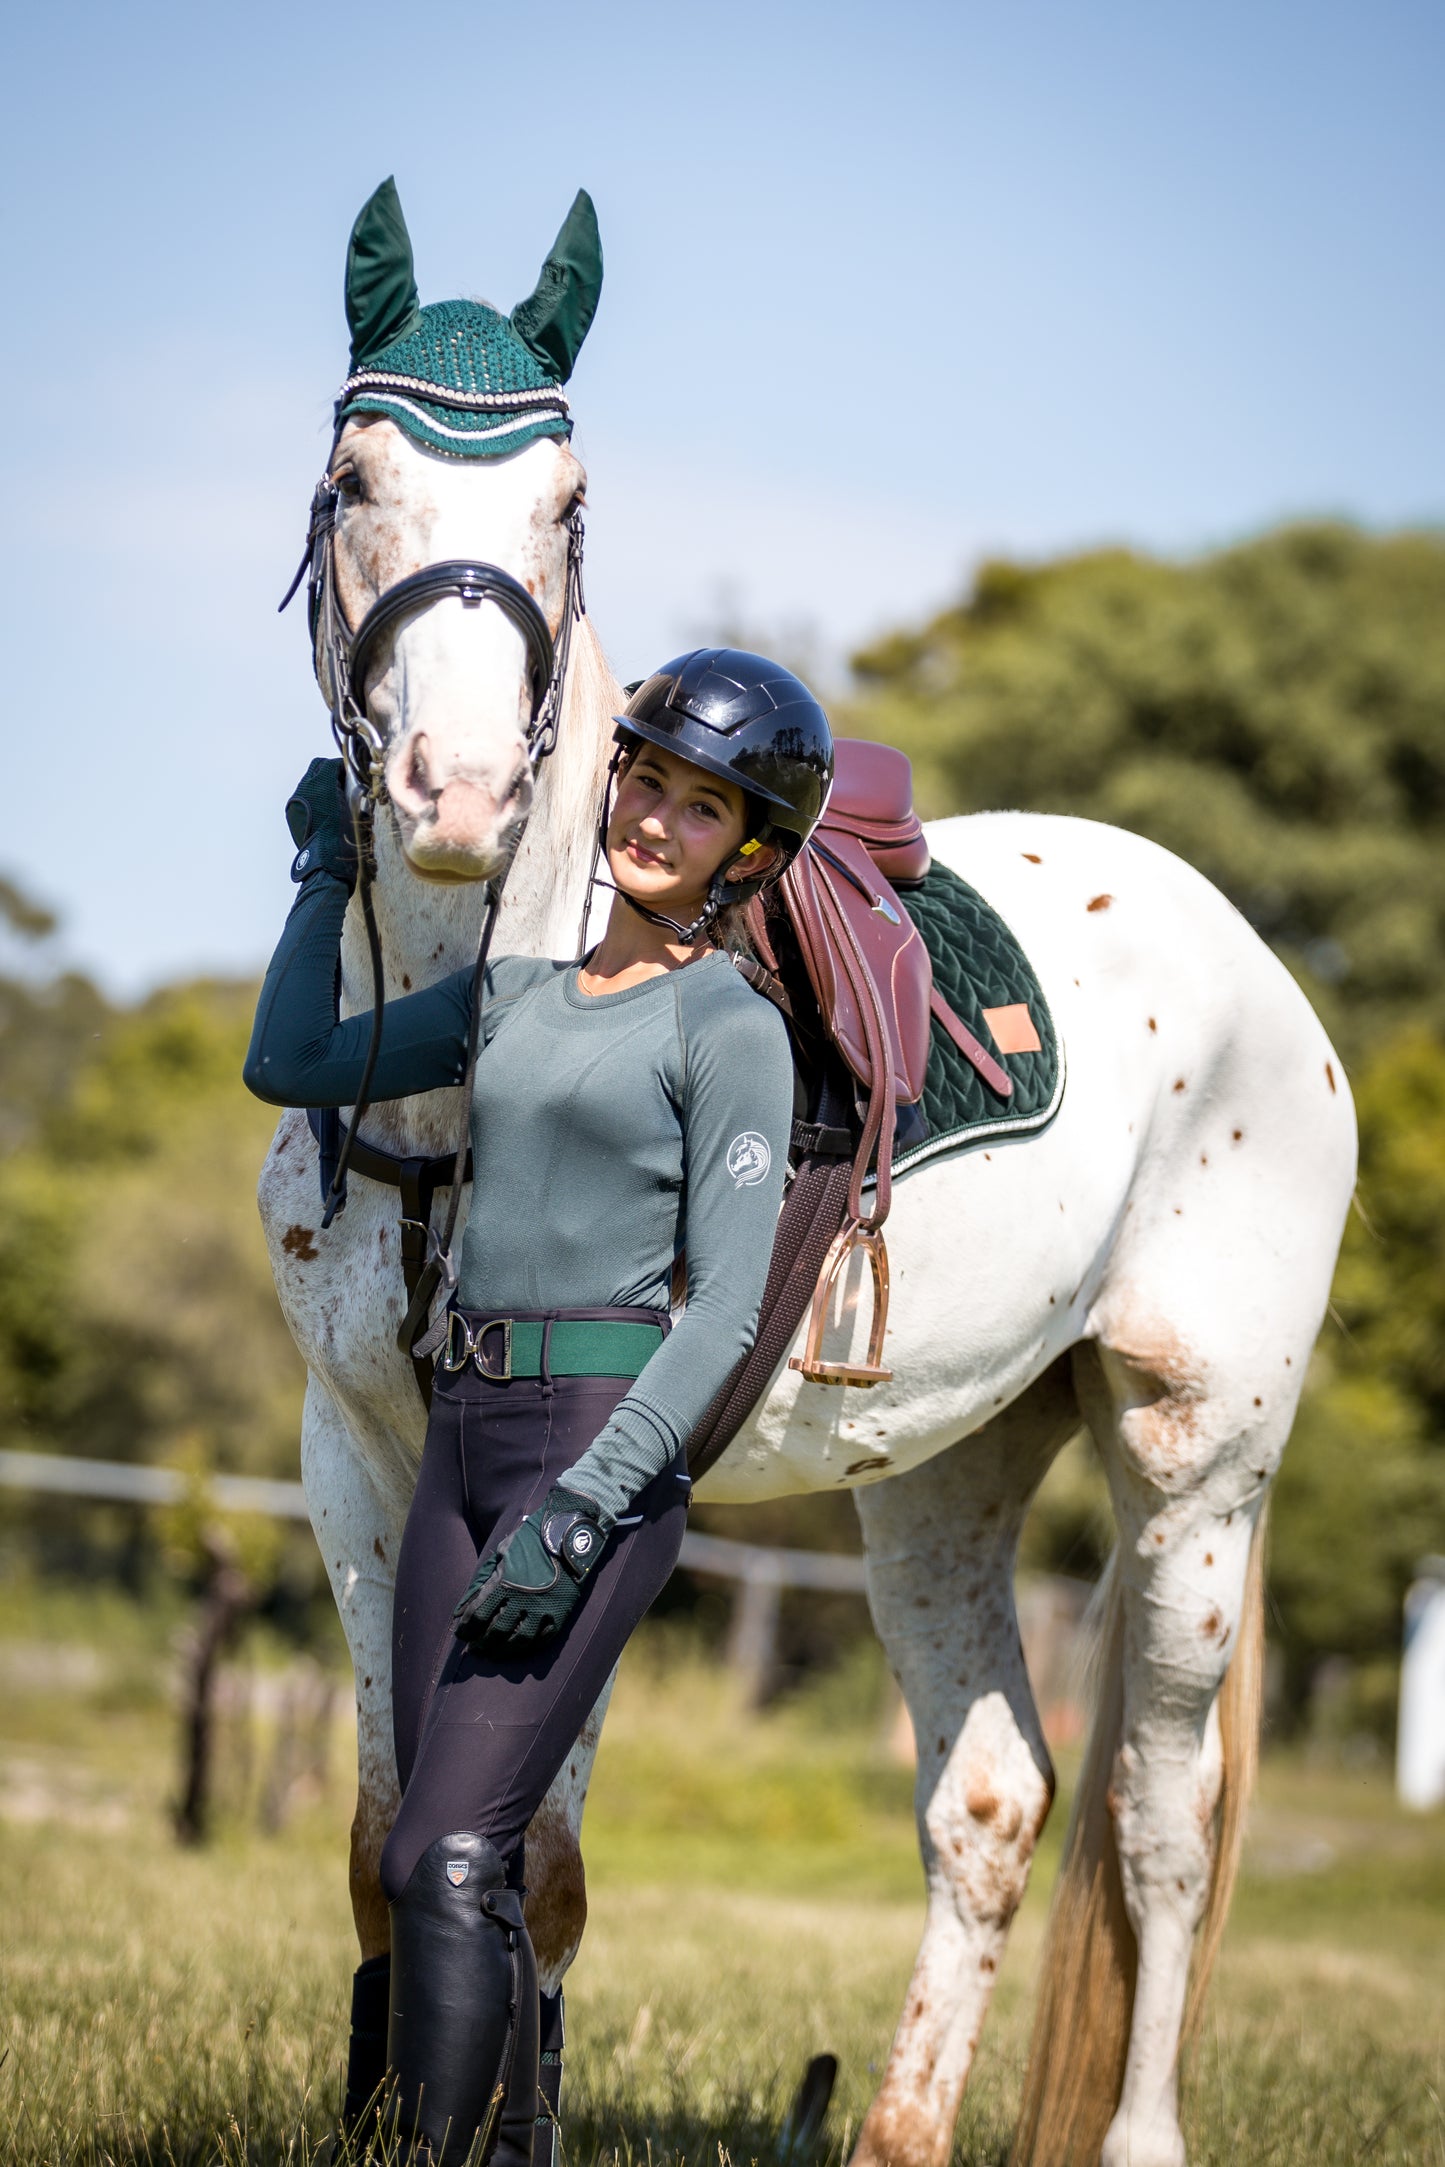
(456, 823)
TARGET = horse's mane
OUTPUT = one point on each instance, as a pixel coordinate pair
(543, 900)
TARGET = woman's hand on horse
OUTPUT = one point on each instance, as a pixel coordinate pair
(320, 822)
(527, 1588)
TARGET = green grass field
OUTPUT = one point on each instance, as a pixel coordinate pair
(756, 1899)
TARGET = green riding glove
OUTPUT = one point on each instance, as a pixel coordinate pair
(320, 822)
(528, 1587)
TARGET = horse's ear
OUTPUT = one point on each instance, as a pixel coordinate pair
(381, 296)
(553, 321)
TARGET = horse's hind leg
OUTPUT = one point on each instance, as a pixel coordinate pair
(940, 1544)
(1190, 1438)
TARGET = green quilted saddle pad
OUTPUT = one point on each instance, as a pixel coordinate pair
(978, 964)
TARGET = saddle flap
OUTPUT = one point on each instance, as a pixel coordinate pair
(872, 798)
(872, 973)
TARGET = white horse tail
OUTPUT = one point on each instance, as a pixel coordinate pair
(1086, 1982)
(1241, 1709)
(1080, 2037)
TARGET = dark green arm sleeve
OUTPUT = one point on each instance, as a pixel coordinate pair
(300, 1055)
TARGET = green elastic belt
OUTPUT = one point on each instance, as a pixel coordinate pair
(506, 1347)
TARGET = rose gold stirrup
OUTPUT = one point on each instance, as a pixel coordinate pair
(851, 1237)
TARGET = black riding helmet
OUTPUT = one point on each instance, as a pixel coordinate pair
(753, 723)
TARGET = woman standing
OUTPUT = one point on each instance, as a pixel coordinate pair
(626, 1112)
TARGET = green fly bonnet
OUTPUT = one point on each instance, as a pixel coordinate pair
(459, 376)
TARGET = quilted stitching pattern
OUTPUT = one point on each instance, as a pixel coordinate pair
(978, 964)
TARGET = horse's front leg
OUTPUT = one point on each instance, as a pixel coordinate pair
(940, 1544)
(358, 1530)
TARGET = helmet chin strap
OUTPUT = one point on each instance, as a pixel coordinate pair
(716, 898)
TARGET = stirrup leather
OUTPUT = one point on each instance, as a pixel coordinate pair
(871, 1371)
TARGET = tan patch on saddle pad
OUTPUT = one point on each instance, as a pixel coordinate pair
(1013, 1028)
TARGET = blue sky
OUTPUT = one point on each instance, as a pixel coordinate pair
(886, 289)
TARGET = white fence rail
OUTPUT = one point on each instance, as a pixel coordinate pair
(759, 1575)
(119, 1480)
(1050, 1609)
(128, 1485)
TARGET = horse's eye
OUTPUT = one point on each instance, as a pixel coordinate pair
(347, 483)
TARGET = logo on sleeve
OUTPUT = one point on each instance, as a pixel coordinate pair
(749, 1157)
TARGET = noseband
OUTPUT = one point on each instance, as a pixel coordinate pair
(472, 584)
(341, 659)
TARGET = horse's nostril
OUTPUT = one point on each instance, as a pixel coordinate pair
(418, 774)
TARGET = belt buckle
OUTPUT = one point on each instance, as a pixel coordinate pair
(494, 1324)
(458, 1349)
(465, 1345)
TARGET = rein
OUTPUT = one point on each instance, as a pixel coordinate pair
(341, 659)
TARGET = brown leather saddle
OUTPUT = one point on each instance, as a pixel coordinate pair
(850, 969)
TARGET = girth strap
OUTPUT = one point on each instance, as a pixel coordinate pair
(418, 1181)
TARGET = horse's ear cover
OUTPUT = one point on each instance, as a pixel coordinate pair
(554, 320)
(381, 295)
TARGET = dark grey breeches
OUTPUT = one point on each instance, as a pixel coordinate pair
(480, 1739)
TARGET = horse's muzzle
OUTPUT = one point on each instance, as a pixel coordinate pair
(465, 831)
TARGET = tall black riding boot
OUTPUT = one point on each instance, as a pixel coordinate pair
(546, 2145)
(366, 2053)
(516, 2133)
(462, 2043)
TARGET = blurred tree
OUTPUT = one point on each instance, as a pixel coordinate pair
(1361, 1495)
(136, 1303)
(1391, 1284)
(44, 1023)
(1274, 713)
(22, 914)
(46, 1030)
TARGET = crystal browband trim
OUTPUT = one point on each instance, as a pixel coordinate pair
(387, 402)
(419, 387)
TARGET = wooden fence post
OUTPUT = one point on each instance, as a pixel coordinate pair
(228, 1596)
(752, 1651)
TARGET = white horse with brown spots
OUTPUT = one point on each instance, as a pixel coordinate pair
(1155, 1264)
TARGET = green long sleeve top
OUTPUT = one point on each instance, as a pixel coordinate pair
(609, 1132)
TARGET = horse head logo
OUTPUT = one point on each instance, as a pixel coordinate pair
(749, 1158)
